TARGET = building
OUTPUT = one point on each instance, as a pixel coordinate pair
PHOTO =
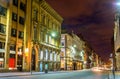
(46, 25)
(117, 40)
(12, 29)
(72, 52)
(29, 35)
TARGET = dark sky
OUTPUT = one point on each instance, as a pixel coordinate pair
(93, 19)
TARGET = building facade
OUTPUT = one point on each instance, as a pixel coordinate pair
(46, 36)
(29, 35)
(117, 40)
(72, 52)
(12, 28)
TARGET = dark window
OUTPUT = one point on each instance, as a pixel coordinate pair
(12, 55)
(22, 6)
(2, 28)
(14, 16)
(21, 20)
(1, 55)
(35, 14)
(62, 43)
(2, 45)
(21, 34)
(35, 33)
(43, 19)
(13, 32)
(15, 2)
(12, 47)
(3, 11)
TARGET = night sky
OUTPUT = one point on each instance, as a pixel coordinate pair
(93, 19)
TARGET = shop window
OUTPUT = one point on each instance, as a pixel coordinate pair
(14, 16)
(1, 60)
(21, 34)
(15, 2)
(1, 63)
(3, 11)
(22, 6)
(21, 20)
(13, 32)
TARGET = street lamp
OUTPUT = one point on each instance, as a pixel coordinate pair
(53, 34)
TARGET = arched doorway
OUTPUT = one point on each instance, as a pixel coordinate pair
(33, 59)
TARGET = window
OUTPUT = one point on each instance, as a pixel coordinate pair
(43, 19)
(46, 38)
(1, 60)
(12, 55)
(41, 55)
(42, 36)
(35, 14)
(3, 11)
(35, 33)
(22, 6)
(21, 34)
(13, 32)
(55, 56)
(21, 20)
(2, 28)
(15, 2)
(62, 43)
(2, 45)
(12, 47)
(14, 16)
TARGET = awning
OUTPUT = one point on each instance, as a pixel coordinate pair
(118, 50)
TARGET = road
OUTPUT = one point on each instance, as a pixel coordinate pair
(86, 74)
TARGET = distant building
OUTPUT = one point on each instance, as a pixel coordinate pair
(72, 52)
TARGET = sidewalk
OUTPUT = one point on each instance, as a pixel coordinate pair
(10, 74)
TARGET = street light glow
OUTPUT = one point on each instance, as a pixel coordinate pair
(53, 34)
(118, 3)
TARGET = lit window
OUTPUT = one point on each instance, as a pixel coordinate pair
(51, 56)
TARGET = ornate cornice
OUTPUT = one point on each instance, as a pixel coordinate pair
(50, 10)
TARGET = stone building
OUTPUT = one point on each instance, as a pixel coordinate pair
(29, 35)
(72, 52)
(117, 40)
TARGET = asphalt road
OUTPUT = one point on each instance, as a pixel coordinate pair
(87, 74)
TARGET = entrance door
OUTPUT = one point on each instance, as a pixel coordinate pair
(33, 59)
